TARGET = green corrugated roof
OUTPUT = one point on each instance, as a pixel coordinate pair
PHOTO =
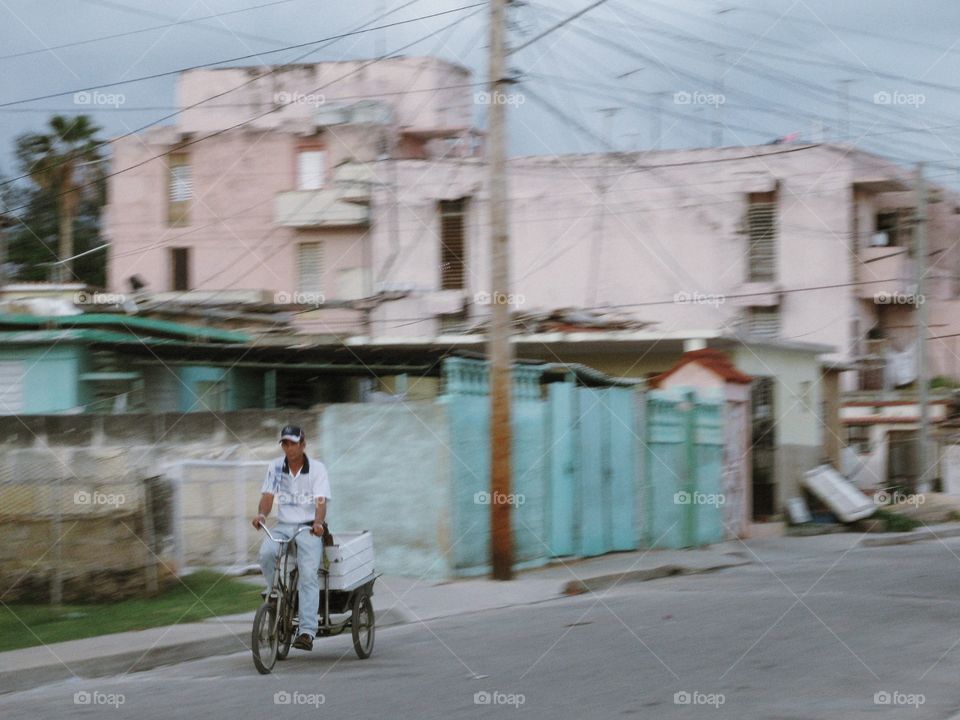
(139, 325)
(66, 335)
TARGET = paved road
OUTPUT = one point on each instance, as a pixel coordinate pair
(813, 629)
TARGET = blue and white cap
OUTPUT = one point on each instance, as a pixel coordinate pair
(292, 432)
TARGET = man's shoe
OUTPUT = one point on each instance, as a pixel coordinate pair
(303, 642)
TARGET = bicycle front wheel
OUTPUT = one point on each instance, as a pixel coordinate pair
(264, 640)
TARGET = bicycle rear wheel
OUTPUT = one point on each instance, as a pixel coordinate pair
(362, 624)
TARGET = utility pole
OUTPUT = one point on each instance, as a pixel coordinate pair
(721, 13)
(498, 344)
(920, 310)
(718, 108)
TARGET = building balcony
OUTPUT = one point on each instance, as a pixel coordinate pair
(885, 273)
(318, 208)
(355, 181)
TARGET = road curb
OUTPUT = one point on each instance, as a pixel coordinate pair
(121, 663)
(604, 582)
(919, 535)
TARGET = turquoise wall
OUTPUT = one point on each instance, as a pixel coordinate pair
(51, 380)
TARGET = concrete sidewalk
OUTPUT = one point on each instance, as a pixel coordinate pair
(397, 600)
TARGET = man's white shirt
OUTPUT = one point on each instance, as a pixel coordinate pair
(296, 495)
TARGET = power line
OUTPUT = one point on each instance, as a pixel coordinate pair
(216, 133)
(777, 76)
(857, 31)
(250, 81)
(260, 240)
(149, 29)
(671, 301)
(296, 46)
(143, 108)
(556, 27)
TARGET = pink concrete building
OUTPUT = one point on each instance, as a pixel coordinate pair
(357, 197)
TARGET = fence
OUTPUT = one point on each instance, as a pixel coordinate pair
(81, 526)
(595, 469)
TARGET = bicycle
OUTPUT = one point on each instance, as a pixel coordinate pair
(276, 621)
(274, 624)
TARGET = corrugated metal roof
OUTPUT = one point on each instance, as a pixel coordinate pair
(141, 325)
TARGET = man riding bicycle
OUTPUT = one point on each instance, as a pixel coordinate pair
(302, 491)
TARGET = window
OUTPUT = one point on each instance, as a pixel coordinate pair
(310, 267)
(180, 268)
(763, 322)
(858, 438)
(452, 262)
(180, 189)
(896, 226)
(310, 169)
(762, 232)
(761, 398)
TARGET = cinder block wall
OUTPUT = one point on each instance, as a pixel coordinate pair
(388, 466)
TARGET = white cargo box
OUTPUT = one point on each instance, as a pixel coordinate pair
(349, 559)
(839, 494)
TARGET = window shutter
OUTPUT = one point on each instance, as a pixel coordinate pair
(764, 322)
(762, 231)
(452, 245)
(310, 267)
(181, 184)
(310, 169)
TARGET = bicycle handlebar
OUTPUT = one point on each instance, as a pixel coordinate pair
(284, 540)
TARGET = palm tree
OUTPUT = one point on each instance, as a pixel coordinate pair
(65, 163)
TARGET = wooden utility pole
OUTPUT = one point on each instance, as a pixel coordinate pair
(920, 311)
(498, 343)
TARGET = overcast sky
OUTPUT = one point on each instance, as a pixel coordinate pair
(759, 68)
